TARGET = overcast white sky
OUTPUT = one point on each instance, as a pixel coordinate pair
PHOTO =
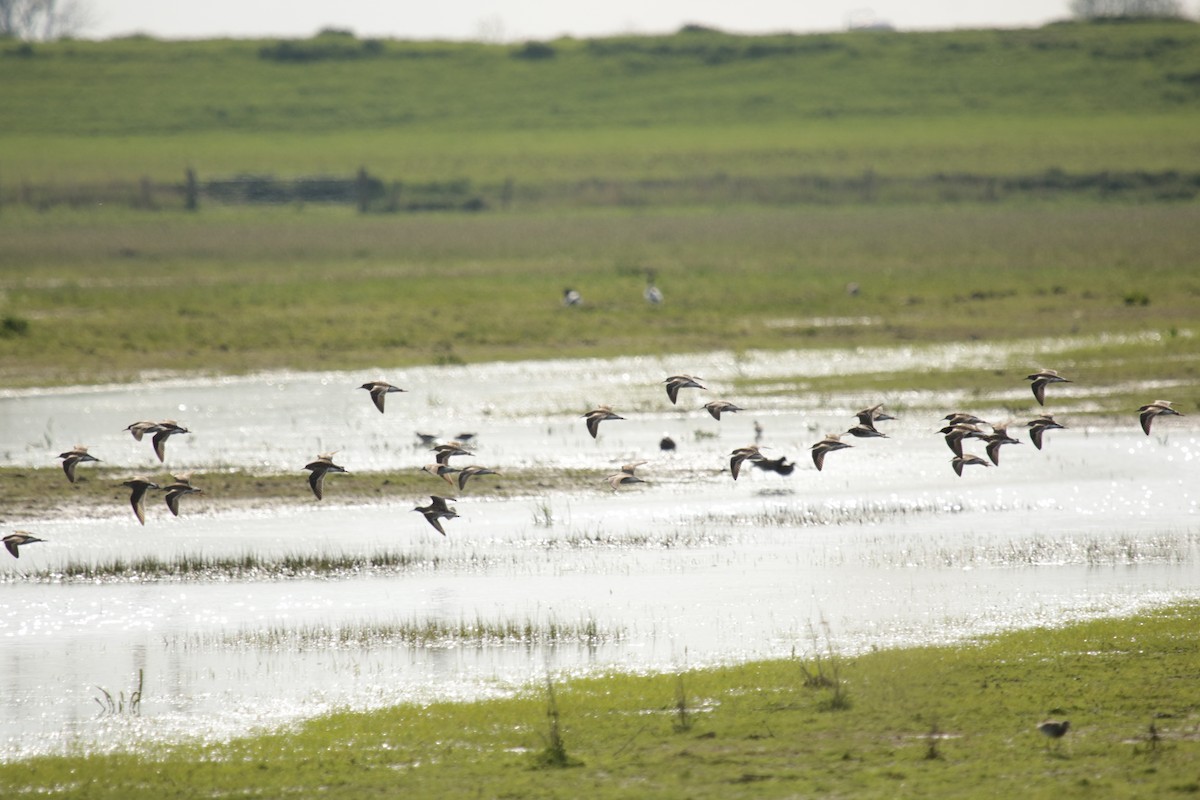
(514, 20)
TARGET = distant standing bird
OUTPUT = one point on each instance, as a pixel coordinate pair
(653, 294)
(176, 490)
(379, 390)
(1148, 412)
(958, 462)
(718, 407)
(437, 509)
(827, 445)
(1039, 426)
(739, 456)
(571, 298)
(466, 473)
(72, 457)
(1041, 380)
(166, 429)
(677, 382)
(19, 539)
(137, 497)
(1053, 730)
(320, 467)
(596, 416)
(779, 465)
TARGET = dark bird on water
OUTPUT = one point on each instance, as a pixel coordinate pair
(779, 465)
(666, 444)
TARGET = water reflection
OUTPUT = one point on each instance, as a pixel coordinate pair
(887, 545)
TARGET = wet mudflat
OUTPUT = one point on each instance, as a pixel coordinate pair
(886, 545)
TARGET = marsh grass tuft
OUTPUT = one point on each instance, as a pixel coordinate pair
(825, 672)
(683, 717)
(114, 706)
(554, 754)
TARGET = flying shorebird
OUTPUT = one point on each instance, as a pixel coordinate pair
(436, 509)
(1053, 730)
(322, 465)
(1039, 426)
(137, 498)
(1158, 408)
(141, 428)
(866, 431)
(718, 407)
(627, 474)
(18, 539)
(72, 457)
(166, 428)
(441, 470)
(956, 433)
(869, 416)
(176, 490)
(829, 444)
(958, 462)
(380, 390)
(677, 382)
(449, 449)
(1041, 380)
(997, 438)
(466, 473)
(961, 418)
(596, 416)
(740, 455)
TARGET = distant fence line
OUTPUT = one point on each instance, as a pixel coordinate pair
(370, 194)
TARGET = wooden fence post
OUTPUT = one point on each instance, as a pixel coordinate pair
(364, 190)
(191, 199)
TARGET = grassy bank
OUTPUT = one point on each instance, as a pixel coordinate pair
(101, 295)
(955, 721)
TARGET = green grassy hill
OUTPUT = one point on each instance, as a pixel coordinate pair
(1073, 96)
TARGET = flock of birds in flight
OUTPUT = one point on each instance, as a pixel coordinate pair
(960, 427)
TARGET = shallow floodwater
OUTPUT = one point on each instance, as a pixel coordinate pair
(886, 545)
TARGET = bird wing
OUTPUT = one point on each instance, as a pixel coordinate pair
(317, 481)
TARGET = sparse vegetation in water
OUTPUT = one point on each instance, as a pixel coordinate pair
(417, 632)
(764, 732)
(119, 704)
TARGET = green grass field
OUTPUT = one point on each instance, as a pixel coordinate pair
(953, 721)
(96, 295)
